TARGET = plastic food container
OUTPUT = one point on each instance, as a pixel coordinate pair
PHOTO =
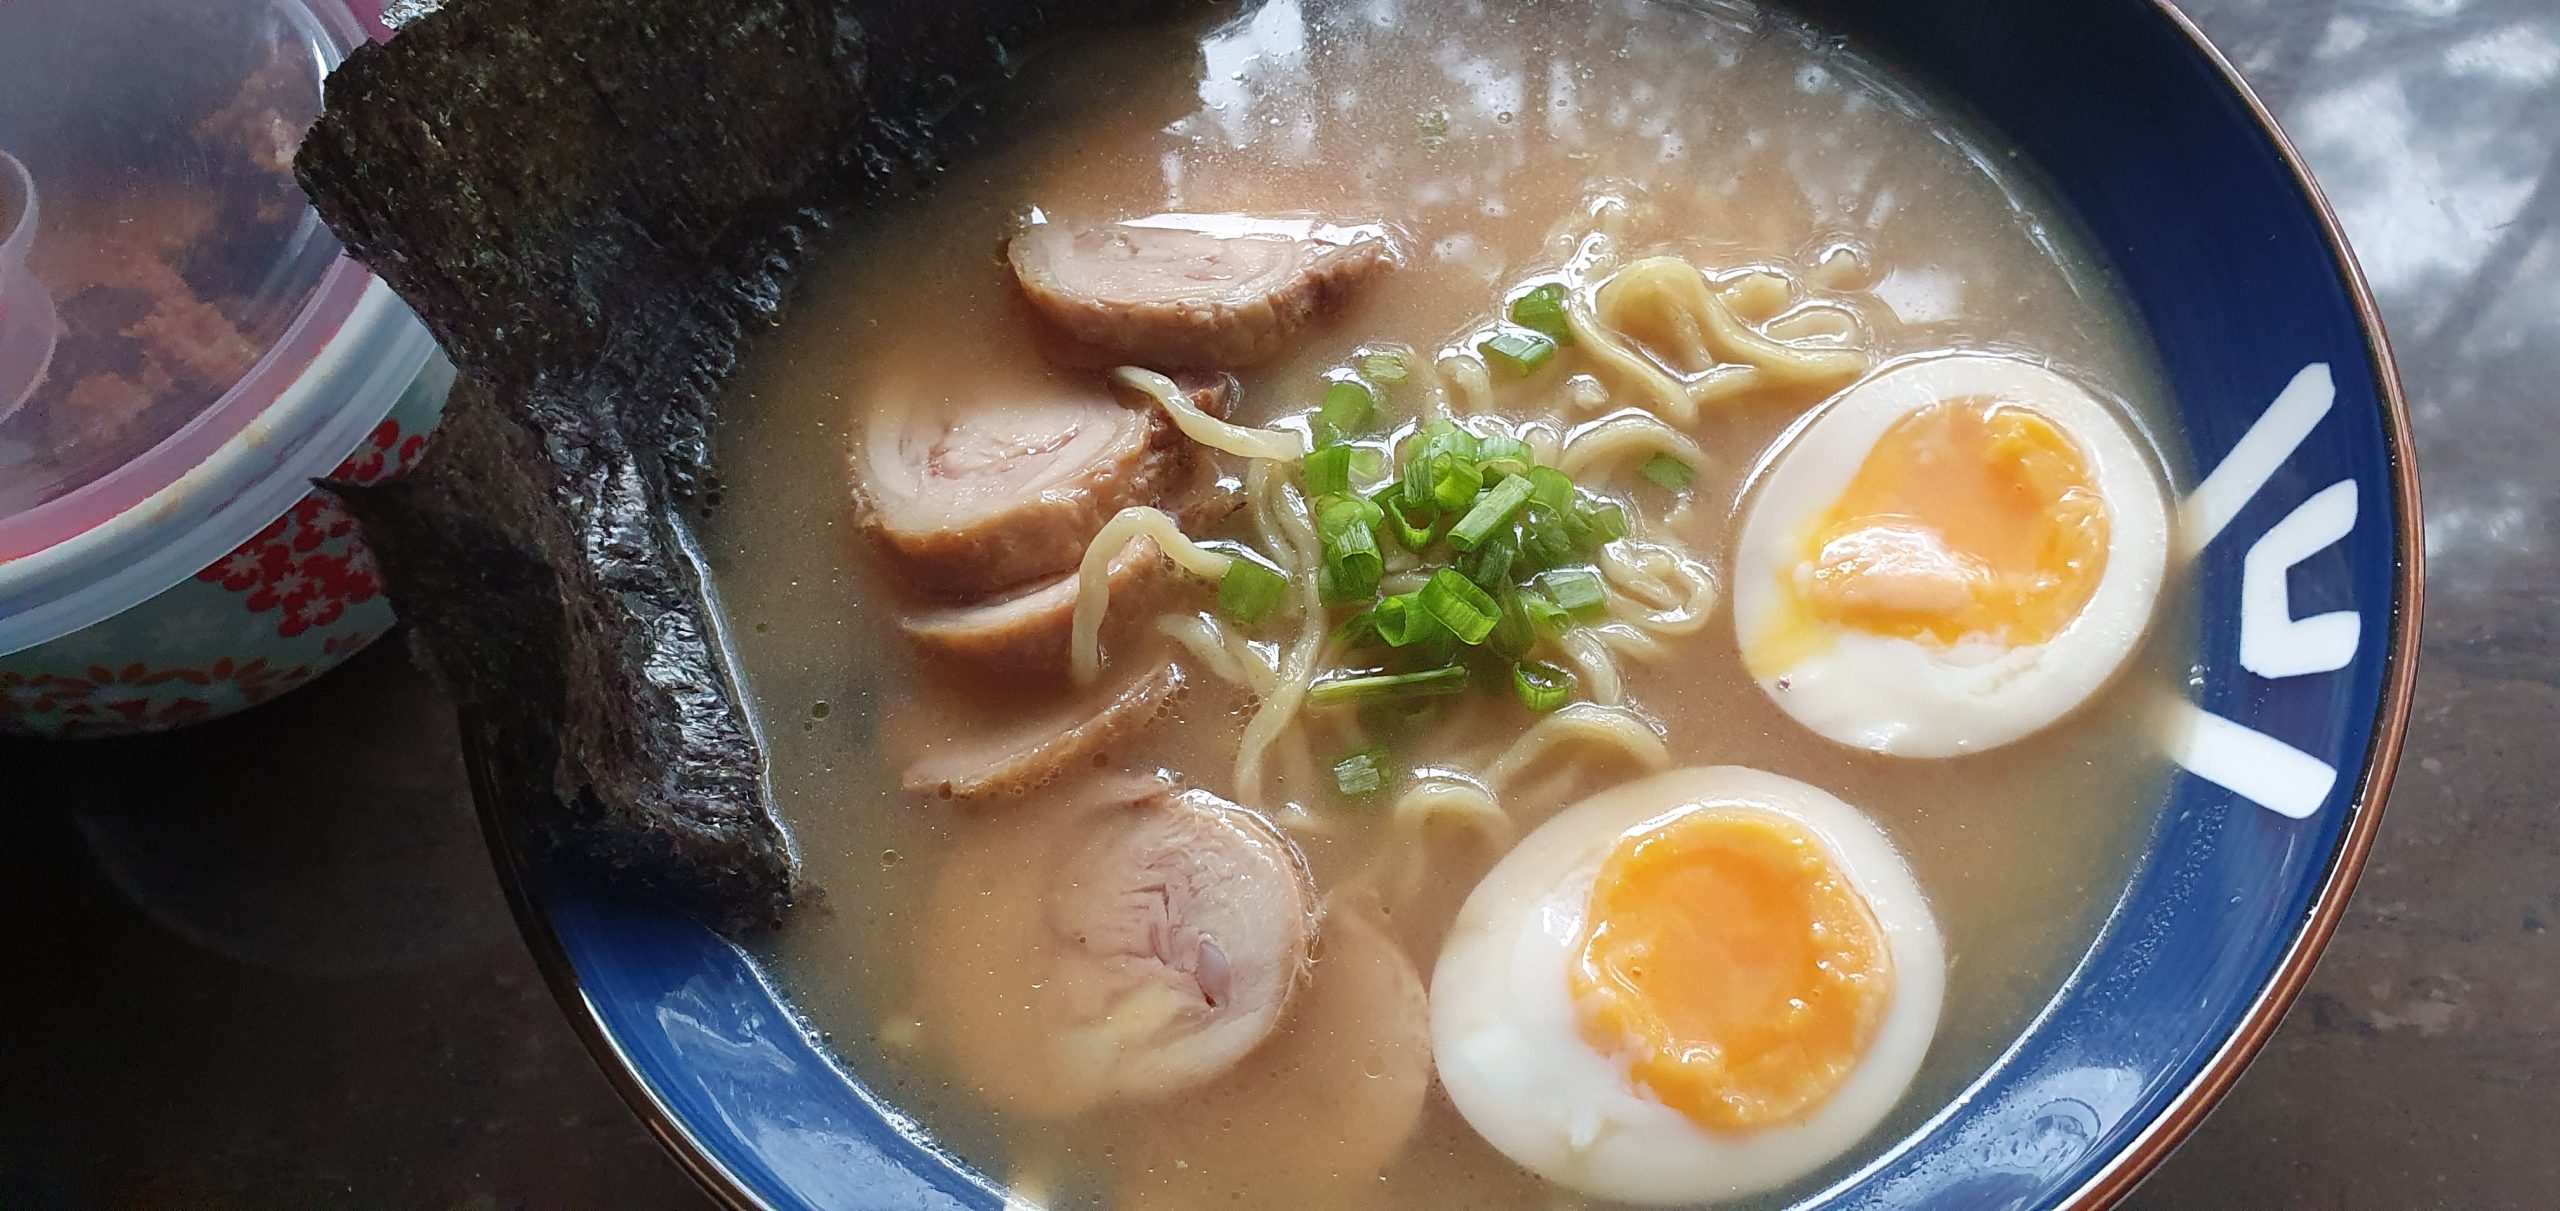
(183, 349)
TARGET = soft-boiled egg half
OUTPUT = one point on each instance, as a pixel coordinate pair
(1693, 986)
(1951, 555)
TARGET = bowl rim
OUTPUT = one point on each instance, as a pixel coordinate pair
(2186, 1110)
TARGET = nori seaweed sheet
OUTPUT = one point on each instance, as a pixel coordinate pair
(590, 203)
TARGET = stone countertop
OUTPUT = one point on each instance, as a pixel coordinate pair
(265, 963)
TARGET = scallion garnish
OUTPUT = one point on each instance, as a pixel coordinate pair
(1359, 630)
(1601, 523)
(1328, 470)
(1541, 686)
(1577, 591)
(1517, 352)
(1387, 687)
(1543, 613)
(1351, 564)
(1413, 528)
(1493, 511)
(1668, 472)
(1550, 488)
(1468, 612)
(1513, 635)
(1402, 622)
(1548, 537)
(1249, 590)
(1504, 455)
(1543, 311)
(1444, 479)
(1349, 406)
(1382, 366)
(1489, 564)
(1361, 773)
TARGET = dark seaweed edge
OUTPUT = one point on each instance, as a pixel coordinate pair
(591, 204)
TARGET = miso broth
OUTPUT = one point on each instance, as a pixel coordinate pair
(1499, 140)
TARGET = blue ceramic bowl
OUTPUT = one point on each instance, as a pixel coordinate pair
(2309, 581)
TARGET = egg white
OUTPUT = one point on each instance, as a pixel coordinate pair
(1511, 1055)
(1912, 698)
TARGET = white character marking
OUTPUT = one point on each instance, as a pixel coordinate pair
(2261, 451)
(2249, 763)
(2274, 643)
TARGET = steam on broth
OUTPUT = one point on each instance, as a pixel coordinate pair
(1629, 246)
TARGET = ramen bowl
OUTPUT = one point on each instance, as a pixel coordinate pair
(2301, 525)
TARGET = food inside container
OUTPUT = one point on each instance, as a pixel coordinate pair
(207, 350)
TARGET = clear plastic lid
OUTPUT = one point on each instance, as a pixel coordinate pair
(182, 274)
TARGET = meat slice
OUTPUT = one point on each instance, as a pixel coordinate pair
(1015, 760)
(1195, 289)
(1310, 1118)
(1123, 942)
(1027, 632)
(1007, 491)
(1185, 920)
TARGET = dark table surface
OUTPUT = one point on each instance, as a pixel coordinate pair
(265, 962)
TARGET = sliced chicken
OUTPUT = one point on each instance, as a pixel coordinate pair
(1311, 1117)
(1026, 632)
(1187, 921)
(1008, 491)
(1123, 943)
(1196, 289)
(1014, 760)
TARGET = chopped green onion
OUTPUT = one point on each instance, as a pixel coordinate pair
(1361, 773)
(1518, 353)
(1459, 605)
(1328, 470)
(1368, 462)
(1513, 635)
(1549, 487)
(1543, 311)
(1249, 591)
(1671, 473)
(1489, 564)
(1602, 523)
(1349, 405)
(1541, 686)
(1382, 366)
(1402, 622)
(1400, 516)
(1359, 630)
(1350, 569)
(1576, 590)
(1543, 613)
(1548, 538)
(1337, 514)
(1351, 563)
(1442, 478)
(1504, 455)
(1442, 437)
(1435, 649)
(1387, 687)
(1493, 511)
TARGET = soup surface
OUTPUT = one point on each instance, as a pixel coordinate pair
(1505, 144)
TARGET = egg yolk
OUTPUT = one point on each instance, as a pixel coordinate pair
(1728, 957)
(1970, 518)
